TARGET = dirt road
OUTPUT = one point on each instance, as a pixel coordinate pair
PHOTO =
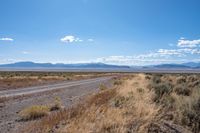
(69, 92)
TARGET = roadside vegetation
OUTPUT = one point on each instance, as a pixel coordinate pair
(179, 96)
(39, 111)
(151, 103)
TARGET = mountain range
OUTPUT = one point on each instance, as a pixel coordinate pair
(188, 65)
(61, 65)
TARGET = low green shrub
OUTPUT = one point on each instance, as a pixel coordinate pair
(162, 89)
(117, 82)
(102, 87)
(191, 117)
(119, 101)
(156, 79)
(182, 90)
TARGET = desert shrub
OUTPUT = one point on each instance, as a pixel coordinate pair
(102, 97)
(194, 84)
(102, 87)
(191, 117)
(192, 78)
(119, 101)
(182, 90)
(147, 77)
(140, 90)
(150, 86)
(181, 79)
(156, 79)
(57, 104)
(34, 112)
(167, 101)
(117, 82)
(162, 89)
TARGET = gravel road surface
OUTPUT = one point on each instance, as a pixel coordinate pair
(69, 92)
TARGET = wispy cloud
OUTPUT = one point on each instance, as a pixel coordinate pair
(182, 42)
(6, 39)
(70, 39)
(25, 52)
(5, 61)
(137, 60)
(177, 55)
(90, 40)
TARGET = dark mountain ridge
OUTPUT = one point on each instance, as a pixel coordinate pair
(59, 65)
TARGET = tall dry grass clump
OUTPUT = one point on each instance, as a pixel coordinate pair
(39, 111)
(34, 112)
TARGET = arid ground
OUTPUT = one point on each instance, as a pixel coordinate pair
(122, 103)
(19, 90)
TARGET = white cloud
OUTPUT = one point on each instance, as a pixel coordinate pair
(137, 60)
(188, 43)
(156, 57)
(5, 61)
(169, 52)
(6, 39)
(70, 39)
(90, 40)
(25, 52)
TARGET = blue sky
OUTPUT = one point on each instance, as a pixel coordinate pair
(127, 32)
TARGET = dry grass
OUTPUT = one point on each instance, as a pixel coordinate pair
(183, 99)
(57, 105)
(14, 80)
(126, 108)
(39, 111)
(76, 112)
(34, 112)
(139, 103)
(187, 110)
(102, 87)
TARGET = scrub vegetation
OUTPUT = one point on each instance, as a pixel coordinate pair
(136, 103)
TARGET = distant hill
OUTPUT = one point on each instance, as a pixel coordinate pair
(188, 65)
(171, 66)
(192, 64)
(27, 64)
(60, 65)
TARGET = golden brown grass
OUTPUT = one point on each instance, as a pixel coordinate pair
(64, 116)
(126, 108)
(139, 103)
(57, 105)
(181, 99)
(39, 111)
(34, 112)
